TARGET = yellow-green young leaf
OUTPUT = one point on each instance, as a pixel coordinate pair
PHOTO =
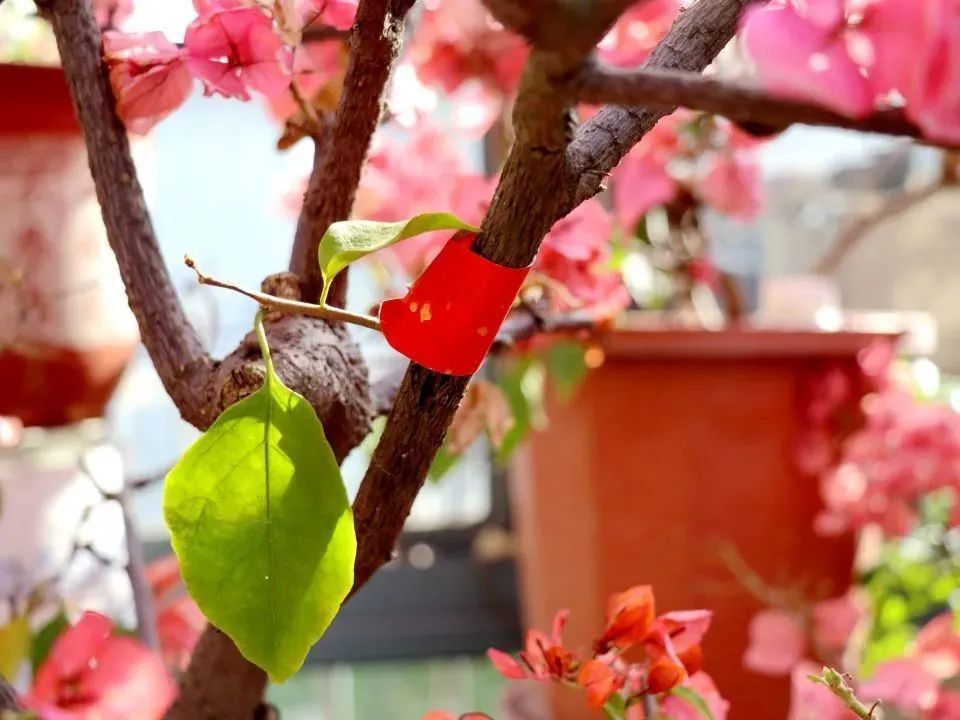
(14, 645)
(694, 699)
(260, 522)
(348, 241)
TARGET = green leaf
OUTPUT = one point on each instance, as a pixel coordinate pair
(615, 708)
(567, 366)
(522, 383)
(260, 522)
(44, 638)
(693, 698)
(348, 241)
(14, 645)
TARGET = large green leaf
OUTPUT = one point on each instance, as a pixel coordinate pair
(260, 522)
(348, 241)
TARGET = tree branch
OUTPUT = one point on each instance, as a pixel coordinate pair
(272, 303)
(698, 35)
(510, 235)
(339, 155)
(740, 103)
(170, 339)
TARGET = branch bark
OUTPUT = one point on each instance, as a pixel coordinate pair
(697, 36)
(737, 102)
(510, 235)
(339, 155)
(170, 339)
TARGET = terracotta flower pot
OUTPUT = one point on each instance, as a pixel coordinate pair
(676, 464)
(65, 331)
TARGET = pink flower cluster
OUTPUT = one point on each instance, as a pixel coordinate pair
(905, 450)
(233, 47)
(782, 643)
(425, 171)
(857, 55)
(707, 156)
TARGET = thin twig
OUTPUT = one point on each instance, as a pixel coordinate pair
(837, 684)
(835, 254)
(272, 303)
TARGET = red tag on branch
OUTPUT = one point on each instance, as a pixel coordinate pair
(451, 314)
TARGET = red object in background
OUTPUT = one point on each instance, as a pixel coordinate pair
(65, 331)
(678, 451)
(450, 316)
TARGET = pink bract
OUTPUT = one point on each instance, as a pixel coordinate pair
(803, 53)
(92, 675)
(677, 708)
(637, 32)
(777, 643)
(835, 620)
(904, 683)
(149, 77)
(813, 701)
(731, 185)
(234, 49)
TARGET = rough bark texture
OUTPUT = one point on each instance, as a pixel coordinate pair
(8, 696)
(748, 105)
(173, 345)
(563, 175)
(339, 156)
(695, 39)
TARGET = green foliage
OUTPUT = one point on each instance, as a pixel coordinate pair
(615, 708)
(348, 241)
(44, 638)
(693, 698)
(567, 366)
(915, 580)
(523, 383)
(261, 524)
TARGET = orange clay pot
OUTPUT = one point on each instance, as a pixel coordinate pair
(65, 330)
(676, 455)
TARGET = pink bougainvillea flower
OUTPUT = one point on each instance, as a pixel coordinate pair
(937, 646)
(947, 707)
(234, 48)
(575, 253)
(315, 64)
(677, 708)
(813, 701)
(338, 14)
(92, 675)
(640, 183)
(835, 620)
(149, 77)
(904, 683)
(457, 41)
(630, 617)
(112, 13)
(637, 32)
(777, 643)
(543, 658)
(441, 715)
(179, 620)
(731, 185)
(801, 51)
(600, 682)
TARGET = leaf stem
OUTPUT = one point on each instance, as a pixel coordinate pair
(839, 687)
(272, 303)
(264, 346)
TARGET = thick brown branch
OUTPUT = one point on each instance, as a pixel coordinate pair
(170, 339)
(740, 103)
(697, 36)
(339, 155)
(511, 234)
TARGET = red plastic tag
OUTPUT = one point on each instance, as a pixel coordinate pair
(451, 314)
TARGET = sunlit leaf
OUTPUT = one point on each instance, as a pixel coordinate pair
(522, 382)
(693, 698)
(14, 645)
(347, 241)
(261, 525)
